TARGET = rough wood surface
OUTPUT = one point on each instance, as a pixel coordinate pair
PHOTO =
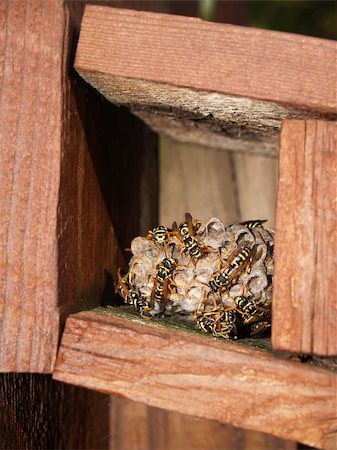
(198, 375)
(304, 304)
(137, 426)
(218, 85)
(30, 141)
(255, 178)
(40, 413)
(196, 179)
(60, 142)
(111, 175)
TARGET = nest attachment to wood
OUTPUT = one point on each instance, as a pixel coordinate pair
(220, 277)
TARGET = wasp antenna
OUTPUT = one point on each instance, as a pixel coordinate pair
(188, 217)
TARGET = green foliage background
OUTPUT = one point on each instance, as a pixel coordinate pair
(313, 18)
(309, 17)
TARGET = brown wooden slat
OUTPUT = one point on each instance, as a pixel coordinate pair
(189, 52)
(137, 426)
(201, 178)
(58, 151)
(30, 109)
(304, 304)
(40, 413)
(213, 84)
(256, 182)
(205, 377)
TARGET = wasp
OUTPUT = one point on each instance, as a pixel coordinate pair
(163, 280)
(131, 296)
(159, 235)
(220, 322)
(251, 224)
(251, 310)
(260, 327)
(186, 232)
(241, 258)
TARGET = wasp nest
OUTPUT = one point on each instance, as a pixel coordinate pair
(220, 277)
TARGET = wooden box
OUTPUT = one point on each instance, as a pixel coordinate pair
(81, 179)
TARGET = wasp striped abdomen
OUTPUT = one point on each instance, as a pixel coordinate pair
(163, 277)
(223, 279)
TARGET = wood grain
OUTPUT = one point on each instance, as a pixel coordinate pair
(196, 179)
(197, 375)
(40, 413)
(59, 249)
(137, 426)
(255, 179)
(30, 140)
(304, 304)
(213, 84)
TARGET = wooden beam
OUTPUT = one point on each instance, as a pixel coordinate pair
(185, 175)
(213, 84)
(178, 370)
(137, 426)
(38, 412)
(31, 37)
(58, 246)
(305, 287)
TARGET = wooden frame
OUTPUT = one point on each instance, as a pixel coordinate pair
(58, 146)
(174, 369)
(56, 192)
(225, 82)
(304, 303)
(228, 86)
(148, 361)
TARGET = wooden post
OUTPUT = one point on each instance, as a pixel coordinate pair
(31, 142)
(60, 143)
(305, 287)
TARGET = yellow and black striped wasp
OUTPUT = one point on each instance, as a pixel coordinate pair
(159, 235)
(131, 295)
(241, 258)
(252, 310)
(163, 282)
(260, 327)
(187, 232)
(251, 224)
(218, 321)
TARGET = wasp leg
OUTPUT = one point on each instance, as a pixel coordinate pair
(145, 312)
(260, 327)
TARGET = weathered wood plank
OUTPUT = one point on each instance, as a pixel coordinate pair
(214, 84)
(137, 426)
(304, 304)
(256, 182)
(196, 179)
(40, 413)
(58, 247)
(205, 377)
(30, 141)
